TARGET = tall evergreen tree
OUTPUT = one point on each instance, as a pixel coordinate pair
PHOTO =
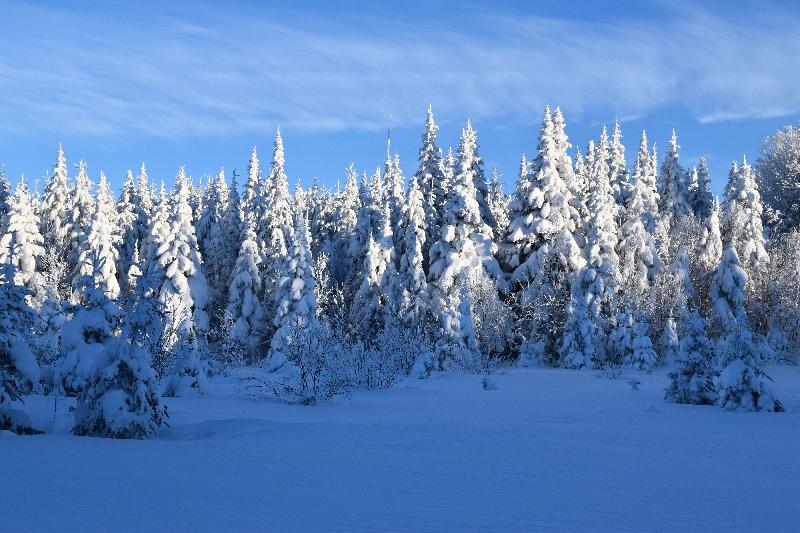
(244, 305)
(672, 189)
(742, 228)
(429, 178)
(410, 285)
(97, 254)
(22, 245)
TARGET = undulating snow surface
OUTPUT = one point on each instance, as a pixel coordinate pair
(548, 449)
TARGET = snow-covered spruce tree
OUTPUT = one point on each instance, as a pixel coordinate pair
(144, 201)
(741, 382)
(55, 208)
(638, 255)
(297, 302)
(540, 215)
(410, 285)
(540, 250)
(618, 169)
(369, 222)
(253, 199)
(699, 190)
(429, 178)
(121, 399)
(189, 370)
(727, 295)
(580, 341)
(93, 325)
(343, 219)
(646, 186)
(174, 261)
(19, 370)
(596, 282)
(630, 344)
(372, 304)
(463, 256)
(711, 239)
(21, 244)
(215, 242)
(244, 304)
(276, 227)
(393, 186)
(741, 220)
(232, 218)
(79, 217)
(97, 254)
(128, 243)
(468, 147)
(498, 203)
(5, 199)
(672, 202)
(692, 377)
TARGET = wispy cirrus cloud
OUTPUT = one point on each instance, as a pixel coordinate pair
(184, 76)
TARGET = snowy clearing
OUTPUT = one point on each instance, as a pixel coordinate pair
(548, 450)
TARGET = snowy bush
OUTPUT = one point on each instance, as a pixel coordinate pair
(741, 382)
(121, 399)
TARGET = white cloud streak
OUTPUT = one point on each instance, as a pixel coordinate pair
(106, 74)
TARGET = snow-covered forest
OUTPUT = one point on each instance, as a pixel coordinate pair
(118, 299)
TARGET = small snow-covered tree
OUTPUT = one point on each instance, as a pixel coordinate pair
(692, 377)
(121, 399)
(21, 244)
(92, 327)
(580, 341)
(244, 306)
(498, 203)
(297, 302)
(629, 343)
(741, 382)
(189, 370)
(19, 370)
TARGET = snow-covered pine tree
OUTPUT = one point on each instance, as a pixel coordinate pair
(618, 169)
(644, 171)
(276, 226)
(672, 203)
(629, 343)
(727, 295)
(393, 186)
(97, 253)
(342, 220)
(369, 223)
(429, 178)
(692, 377)
(56, 207)
(128, 244)
(80, 217)
(121, 399)
(711, 239)
(410, 285)
(297, 302)
(699, 190)
(580, 339)
(596, 283)
(372, 305)
(5, 199)
(468, 148)
(638, 255)
(541, 215)
(144, 201)
(217, 246)
(742, 228)
(22, 245)
(19, 370)
(93, 325)
(498, 203)
(244, 304)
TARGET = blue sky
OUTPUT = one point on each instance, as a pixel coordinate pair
(201, 83)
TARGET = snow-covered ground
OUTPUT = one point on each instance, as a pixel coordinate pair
(548, 450)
